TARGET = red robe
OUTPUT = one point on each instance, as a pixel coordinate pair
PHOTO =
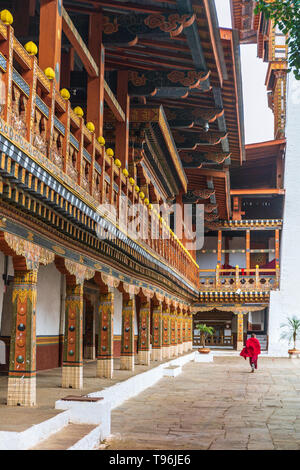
(251, 350)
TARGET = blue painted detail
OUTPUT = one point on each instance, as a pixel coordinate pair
(98, 167)
(74, 141)
(87, 155)
(41, 105)
(59, 125)
(21, 82)
(2, 62)
(116, 188)
(107, 178)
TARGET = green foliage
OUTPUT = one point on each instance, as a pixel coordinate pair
(292, 329)
(204, 332)
(286, 15)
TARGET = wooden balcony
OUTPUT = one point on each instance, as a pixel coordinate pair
(38, 121)
(239, 280)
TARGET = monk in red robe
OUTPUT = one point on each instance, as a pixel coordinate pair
(251, 350)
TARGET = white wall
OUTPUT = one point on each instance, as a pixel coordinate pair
(5, 297)
(286, 302)
(209, 260)
(237, 243)
(118, 312)
(48, 301)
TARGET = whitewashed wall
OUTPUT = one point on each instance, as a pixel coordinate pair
(286, 302)
(237, 243)
(48, 301)
(5, 298)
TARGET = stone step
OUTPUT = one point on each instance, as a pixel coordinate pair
(65, 438)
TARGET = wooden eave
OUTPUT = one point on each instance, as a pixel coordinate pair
(172, 162)
(198, 180)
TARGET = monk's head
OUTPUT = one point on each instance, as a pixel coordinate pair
(253, 335)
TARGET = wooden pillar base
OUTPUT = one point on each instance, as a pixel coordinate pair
(127, 363)
(72, 377)
(157, 354)
(21, 391)
(144, 358)
(105, 368)
(166, 352)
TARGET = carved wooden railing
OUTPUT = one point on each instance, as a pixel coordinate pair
(214, 340)
(245, 280)
(35, 109)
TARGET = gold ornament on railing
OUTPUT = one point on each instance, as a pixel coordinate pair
(101, 140)
(49, 72)
(142, 195)
(78, 111)
(109, 152)
(136, 188)
(146, 201)
(118, 163)
(150, 207)
(65, 94)
(31, 48)
(131, 181)
(6, 17)
(125, 172)
(90, 126)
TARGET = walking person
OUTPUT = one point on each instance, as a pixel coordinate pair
(251, 350)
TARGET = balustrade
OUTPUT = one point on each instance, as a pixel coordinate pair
(39, 114)
(243, 279)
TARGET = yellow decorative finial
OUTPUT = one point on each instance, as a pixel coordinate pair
(49, 72)
(6, 17)
(31, 48)
(65, 94)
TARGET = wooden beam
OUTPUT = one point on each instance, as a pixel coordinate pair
(277, 251)
(260, 191)
(113, 104)
(247, 249)
(95, 85)
(50, 36)
(67, 66)
(79, 45)
(219, 260)
(122, 128)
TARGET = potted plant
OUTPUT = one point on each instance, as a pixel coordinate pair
(291, 333)
(204, 332)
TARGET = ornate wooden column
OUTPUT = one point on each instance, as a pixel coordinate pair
(173, 333)
(22, 362)
(190, 332)
(240, 332)
(144, 333)
(72, 368)
(157, 333)
(105, 356)
(184, 332)
(127, 340)
(179, 331)
(166, 331)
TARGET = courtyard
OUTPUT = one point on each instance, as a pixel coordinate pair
(215, 406)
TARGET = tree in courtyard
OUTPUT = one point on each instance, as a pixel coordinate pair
(204, 332)
(291, 330)
(286, 15)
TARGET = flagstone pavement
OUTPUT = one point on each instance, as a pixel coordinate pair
(217, 406)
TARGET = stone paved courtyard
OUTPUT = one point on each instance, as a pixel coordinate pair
(220, 405)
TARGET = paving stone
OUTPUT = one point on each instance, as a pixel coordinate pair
(217, 406)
